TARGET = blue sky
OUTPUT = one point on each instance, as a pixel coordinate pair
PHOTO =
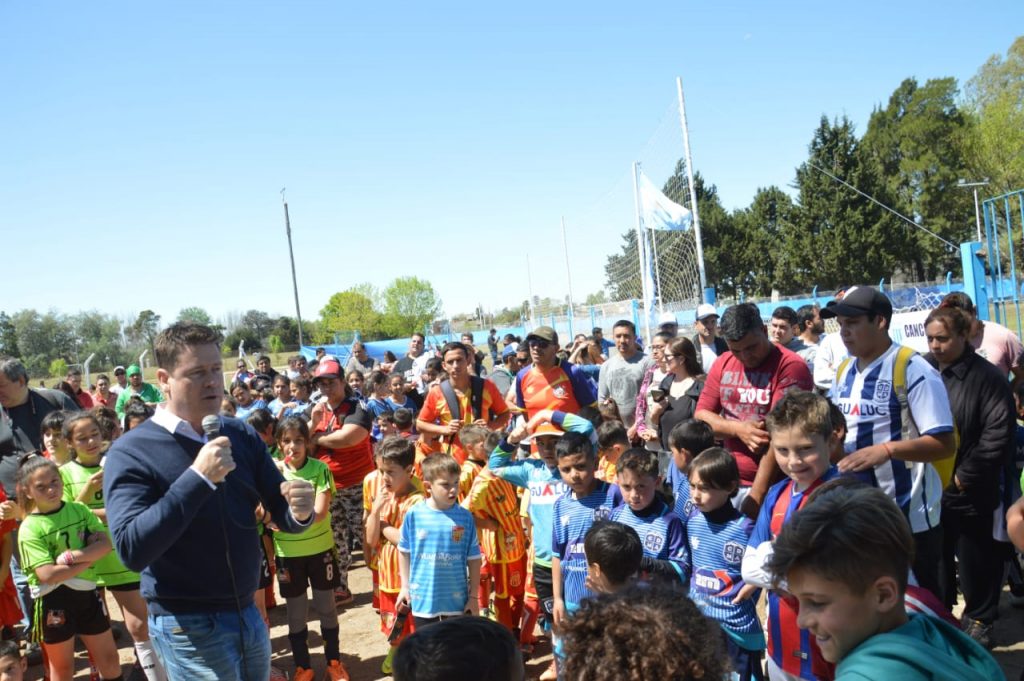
(145, 145)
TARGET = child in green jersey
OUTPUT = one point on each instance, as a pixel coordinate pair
(60, 542)
(83, 482)
(308, 558)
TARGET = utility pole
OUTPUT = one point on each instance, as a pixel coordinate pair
(291, 256)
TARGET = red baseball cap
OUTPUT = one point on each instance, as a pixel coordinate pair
(329, 367)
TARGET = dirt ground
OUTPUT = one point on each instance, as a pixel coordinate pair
(363, 646)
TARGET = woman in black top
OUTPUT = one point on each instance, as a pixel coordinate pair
(983, 411)
(677, 394)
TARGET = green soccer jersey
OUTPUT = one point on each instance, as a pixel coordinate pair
(317, 538)
(42, 537)
(109, 569)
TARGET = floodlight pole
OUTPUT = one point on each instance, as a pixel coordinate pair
(977, 208)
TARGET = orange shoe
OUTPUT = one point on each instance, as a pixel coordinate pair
(303, 674)
(336, 671)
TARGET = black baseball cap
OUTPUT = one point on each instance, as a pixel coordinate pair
(859, 300)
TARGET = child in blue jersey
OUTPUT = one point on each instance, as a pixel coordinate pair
(377, 390)
(661, 532)
(438, 553)
(587, 501)
(717, 535)
(803, 435)
(397, 398)
(686, 440)
(614, 555)
(845, 558)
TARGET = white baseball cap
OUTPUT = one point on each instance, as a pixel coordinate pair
(667, 318)
(705, 310)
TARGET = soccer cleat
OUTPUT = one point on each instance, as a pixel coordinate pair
(303, 674)
(336, 671)
(385, 666)
(979, 631)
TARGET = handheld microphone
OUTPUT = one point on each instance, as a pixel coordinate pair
(211, 426)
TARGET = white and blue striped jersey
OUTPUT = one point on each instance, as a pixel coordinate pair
(572, 518)
(716, 555)
(440, 545)
(662, 534)
(868, 399)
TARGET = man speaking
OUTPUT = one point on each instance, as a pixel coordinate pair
(180, 505)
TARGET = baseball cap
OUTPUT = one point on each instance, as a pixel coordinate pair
(859, 300)
(329, 367)
(705, 310)
(667, 318)
(134, 369)
(542, 430)
(508, 351)
(119, 368)
(545, 333)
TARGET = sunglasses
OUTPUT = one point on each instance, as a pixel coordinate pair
(538, 343)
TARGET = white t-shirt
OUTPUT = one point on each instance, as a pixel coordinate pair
(868, 400)
(707, 356)
(831, 351)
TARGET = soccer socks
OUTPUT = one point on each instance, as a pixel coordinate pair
(149, 662)
(300, 648)
(332, 646)
(531, 612)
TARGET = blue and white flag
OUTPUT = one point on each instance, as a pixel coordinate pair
(659, 212)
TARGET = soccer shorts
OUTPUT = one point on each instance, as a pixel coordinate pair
(66, 612)
(388, 612)
(319, 571)
(508, 579)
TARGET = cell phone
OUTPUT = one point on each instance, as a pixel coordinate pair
(657, 394)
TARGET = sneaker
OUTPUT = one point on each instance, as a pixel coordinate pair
(979, 631)
(385, 666)
(303, 674)
(342, 596)
(551, 673)
(336, 671)
(277, 675)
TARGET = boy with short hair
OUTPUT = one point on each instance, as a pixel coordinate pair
(473, 438)
(686, 440)
(395, 496)
(612, 441)
(614, 556)
(12, 664)
(439, 557)
(845, 558)
(495, 506)
(662, 532)
(803, 436)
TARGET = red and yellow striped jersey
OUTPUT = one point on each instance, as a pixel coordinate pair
(470, 470)
(495, 499)
(387, 556)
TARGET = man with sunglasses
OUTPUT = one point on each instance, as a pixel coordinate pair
(549, 383)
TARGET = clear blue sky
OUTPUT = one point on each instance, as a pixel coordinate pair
(145, 145)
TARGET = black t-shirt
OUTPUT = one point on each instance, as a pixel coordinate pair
(19, 430)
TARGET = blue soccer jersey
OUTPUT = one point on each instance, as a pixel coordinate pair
(867, 398)
(572, 518)
(662, 535)
(682, 505)
(440, 544)
(545, 485)
(717, 542)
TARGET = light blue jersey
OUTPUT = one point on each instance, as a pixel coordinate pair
(572, 518)
(440, 545)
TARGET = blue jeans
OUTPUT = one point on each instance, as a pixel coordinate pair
(217, 646)
(22, 587)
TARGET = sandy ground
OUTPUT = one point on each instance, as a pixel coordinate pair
(363, 646)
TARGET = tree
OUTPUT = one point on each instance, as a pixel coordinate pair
(145, 328)
(257, 322)
(252, 341)
(275, 344)
(286, 329)
(58, 369)
(42, 338)
(410, 304)
(757, 251)
(915, 145)
(8, 337)
(995, 98)
(196, 315)
(349, 310)
(596, 298)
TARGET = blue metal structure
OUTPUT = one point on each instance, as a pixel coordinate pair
(1004, 233)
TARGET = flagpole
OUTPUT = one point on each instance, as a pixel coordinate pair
(693, 191)
(658, 293)
(568, 274)
(529, 283)
(641, 249)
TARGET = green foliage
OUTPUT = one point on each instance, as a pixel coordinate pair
(410, 304)
(8, 337)
(58, 368)
(145, 328)
(196, 315)
(346, 311)
(252, 341)
(596, 298)
(259, 323)
(286, 329)
(756, 252)
(275, 344)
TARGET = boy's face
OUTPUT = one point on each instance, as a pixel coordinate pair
(53, 441)
(681, 458)
(478, 451)
(802, 456)
(12, 668)
(387, 427)
(546, 449)
(444, 491)
(598, 581)
(839, 619)
(577, 471)
(282, 390)
(394, 477)
(705, 497)
(637, 488)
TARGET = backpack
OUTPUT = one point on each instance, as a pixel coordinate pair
(476, 400)
(944, 467)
